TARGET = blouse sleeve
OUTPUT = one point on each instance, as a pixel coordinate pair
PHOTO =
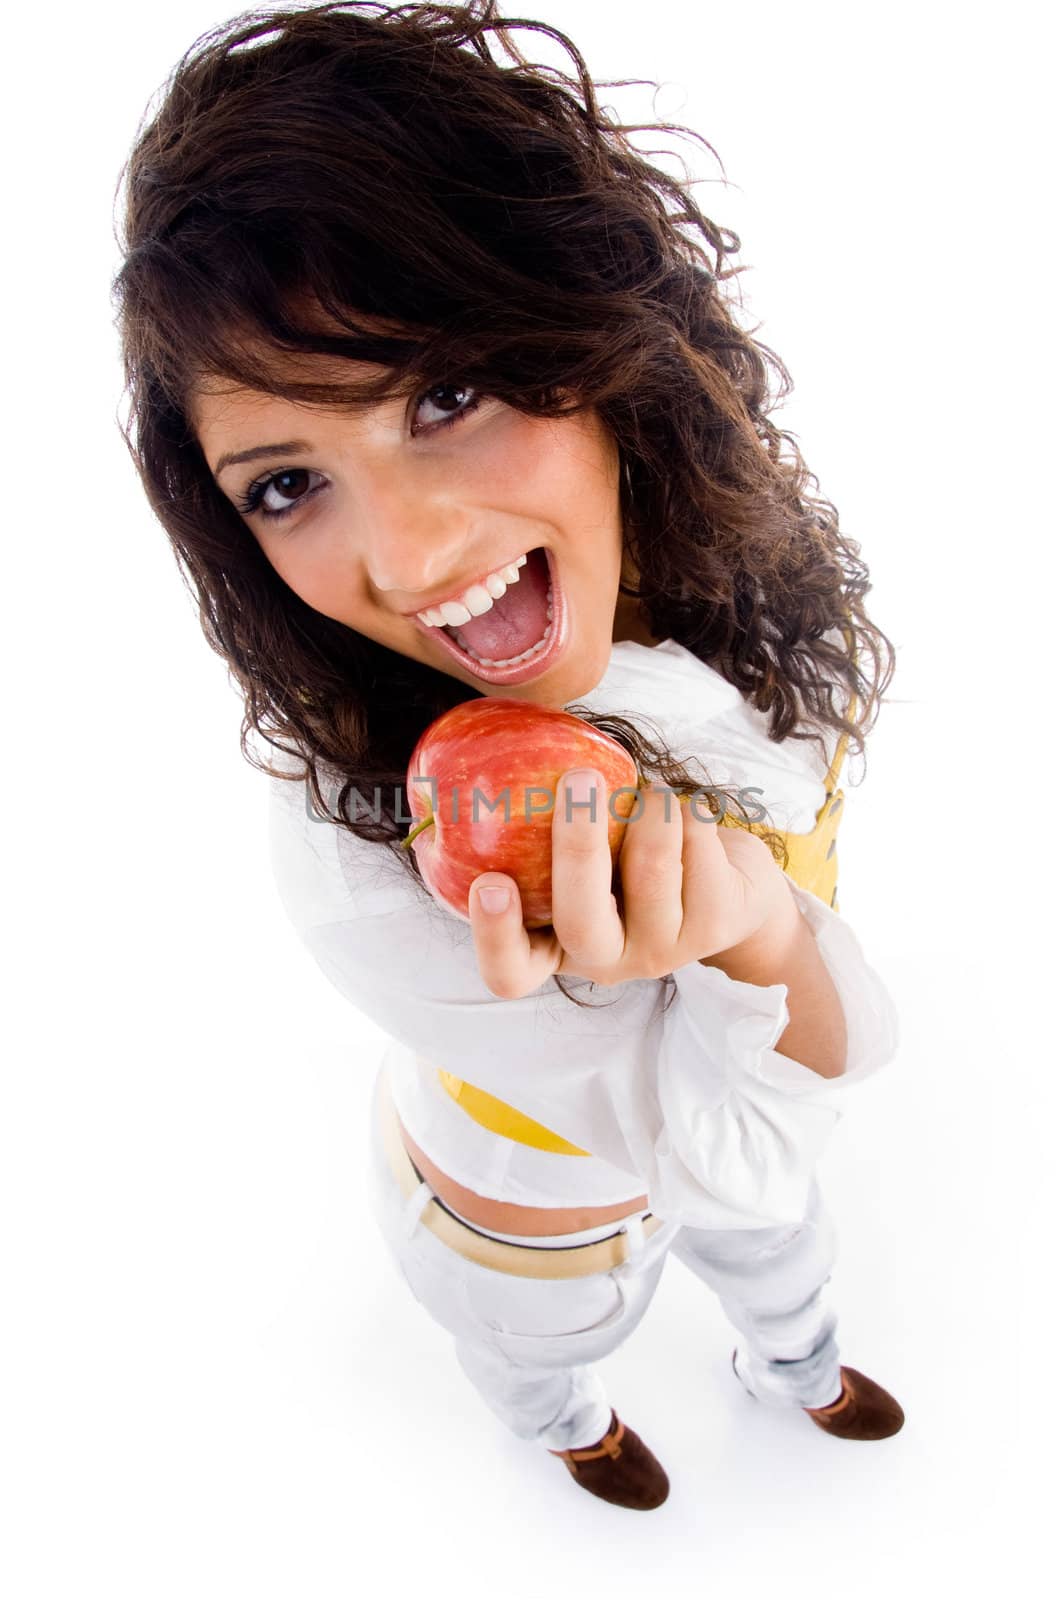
(675, 1080)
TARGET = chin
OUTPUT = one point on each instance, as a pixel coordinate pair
(571, 680)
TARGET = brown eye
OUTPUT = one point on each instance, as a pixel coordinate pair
(290, 485)
(288, 489)
(455, 400)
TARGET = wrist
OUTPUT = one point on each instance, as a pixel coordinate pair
(765, 951)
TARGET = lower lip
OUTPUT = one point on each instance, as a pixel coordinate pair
(522, 671)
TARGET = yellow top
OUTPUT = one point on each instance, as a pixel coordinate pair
(812, 864)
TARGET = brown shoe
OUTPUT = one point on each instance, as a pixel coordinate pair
(862, 1411)
(619, 1469)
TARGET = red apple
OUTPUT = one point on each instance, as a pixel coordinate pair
(492, 754)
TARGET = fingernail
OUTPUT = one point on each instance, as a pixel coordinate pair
(494, 898)
(581, 785)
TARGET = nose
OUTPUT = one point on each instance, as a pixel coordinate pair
(411, 540)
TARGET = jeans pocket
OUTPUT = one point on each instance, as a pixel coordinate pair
(433, 1273)
(552, 1322)
(436, 1277)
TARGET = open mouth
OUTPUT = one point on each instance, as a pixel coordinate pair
(523, 632)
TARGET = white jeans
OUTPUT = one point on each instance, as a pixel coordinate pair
(528, 1344)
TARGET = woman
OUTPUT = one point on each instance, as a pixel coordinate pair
(436, 390)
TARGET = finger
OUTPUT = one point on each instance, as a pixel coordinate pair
(583, 909)
(512, 961)
(707, 890)
(652, 875)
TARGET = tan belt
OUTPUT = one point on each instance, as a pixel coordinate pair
(521, 1261)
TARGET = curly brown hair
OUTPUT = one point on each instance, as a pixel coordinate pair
(369, 182)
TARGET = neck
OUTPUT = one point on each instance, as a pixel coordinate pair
(629, 623)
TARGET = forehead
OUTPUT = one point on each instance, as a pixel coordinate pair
(219, 403)
(220, 406)
(248, 392)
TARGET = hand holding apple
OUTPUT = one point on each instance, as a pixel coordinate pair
(690, 889)
(482, 781)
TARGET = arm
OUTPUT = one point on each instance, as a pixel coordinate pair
(785, 951)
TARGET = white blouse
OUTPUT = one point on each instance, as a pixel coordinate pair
(691, 1105)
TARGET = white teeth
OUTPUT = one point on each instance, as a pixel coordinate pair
(477, 599)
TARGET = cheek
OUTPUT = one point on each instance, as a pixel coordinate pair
(544, 468)
(314, 573)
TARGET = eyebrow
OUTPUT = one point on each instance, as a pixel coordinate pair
(285, 448)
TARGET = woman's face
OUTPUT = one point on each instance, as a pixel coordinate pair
(415, 503)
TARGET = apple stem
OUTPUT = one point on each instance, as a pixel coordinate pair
(426, 822)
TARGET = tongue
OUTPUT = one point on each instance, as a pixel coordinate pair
(517, 620)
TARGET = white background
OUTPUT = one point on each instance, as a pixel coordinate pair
(214, 1382)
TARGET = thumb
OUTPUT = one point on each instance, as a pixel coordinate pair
(491, 895)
